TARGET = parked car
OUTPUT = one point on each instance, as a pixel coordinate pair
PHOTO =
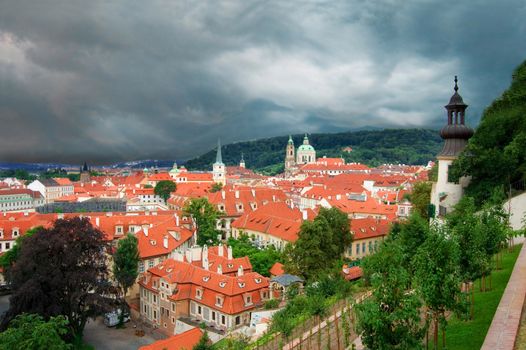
(112, 318)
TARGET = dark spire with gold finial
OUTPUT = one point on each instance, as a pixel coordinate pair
(456, 133)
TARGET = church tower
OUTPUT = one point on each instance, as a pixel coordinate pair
(218, 169)
(445, 193)
(85, 176)
(290, 162)
(242, 162)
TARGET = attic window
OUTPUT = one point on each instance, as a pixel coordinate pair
(161, 267)
(198, 293)
(153, 242)
(373, 228)
(241, 284)
(363, 230)
(15, 232)
(219, 301)
(169, 269)
(222, 284)
(230, 265)
(206, 278)
(257, 280)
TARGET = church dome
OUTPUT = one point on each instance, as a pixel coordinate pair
(305, 148)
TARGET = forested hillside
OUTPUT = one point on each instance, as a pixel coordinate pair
(409, 146)
(496, 154)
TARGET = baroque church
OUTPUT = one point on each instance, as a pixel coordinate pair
(306, 154)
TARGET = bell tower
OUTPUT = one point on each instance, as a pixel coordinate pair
(290, 158)
(218, 169)
(445, 193)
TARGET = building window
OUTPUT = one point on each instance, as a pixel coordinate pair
(357, 248)
(370, 247)
(199, 310)
(238, 320)
(223, 320)
(155, 298)
(8, 246)
(173, 307)
(363, 247)
(198, 293)
(150, 263)
(141, 266)
(213, 315)
(154, 314)
(173, 320)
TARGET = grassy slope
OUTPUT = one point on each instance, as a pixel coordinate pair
(468, 335)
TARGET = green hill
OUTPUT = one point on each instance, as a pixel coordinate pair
(407, 146)
(495, 157)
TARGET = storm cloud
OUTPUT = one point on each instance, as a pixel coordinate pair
(110, 81)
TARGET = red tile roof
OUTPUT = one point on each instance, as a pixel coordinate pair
(183, 341)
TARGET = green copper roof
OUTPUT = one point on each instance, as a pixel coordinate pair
(305, 148)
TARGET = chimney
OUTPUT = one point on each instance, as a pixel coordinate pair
(205, 252)
(237, 194)
(229, 253)
(97, 221)
(220, 269)
(145, 230)
(179, 256)
(223, 194)
(188, 255)
(27, 214)
(176, 220)
(338, 197)
(253, 192)
(273, 198)
(220, 250)
(165, 242)
(304, 215)
(240, 270)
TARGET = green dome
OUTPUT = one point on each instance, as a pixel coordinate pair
(305, 148)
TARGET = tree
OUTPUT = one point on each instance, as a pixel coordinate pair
(62, 271)
(9, 258)
(421, 197)
(495, 156)
(204, 343)
(320, 244)
(164, 188)
(205, 216)
(216, 187)
(31, 332)
(311, 255)
(390, 319)
(261, 259)
(437, 276)
(410, 235)
(341, 237)
(126, 262)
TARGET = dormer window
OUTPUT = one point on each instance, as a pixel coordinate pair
(230, 265)
(15, 232)
(206, 278)
(240, 207)
(219, 301)
(118, 230)
(241, 284)
(221, 207)
(257, 280)
(199, 293)
(222, 284)
(1, 233)
(248, 299)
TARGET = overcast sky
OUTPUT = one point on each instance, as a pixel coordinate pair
(106, 81)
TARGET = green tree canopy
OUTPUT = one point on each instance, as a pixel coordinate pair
(31, 332)
(421, 197)
(204, 343)
(205, 216)
(320, 244)
(437, 276)
(261, 259)
(164, 188)
(8, 259)
(391, 318)
(495, 156)
(126, 262)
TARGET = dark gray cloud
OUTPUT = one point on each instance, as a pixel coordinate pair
(109, 81)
